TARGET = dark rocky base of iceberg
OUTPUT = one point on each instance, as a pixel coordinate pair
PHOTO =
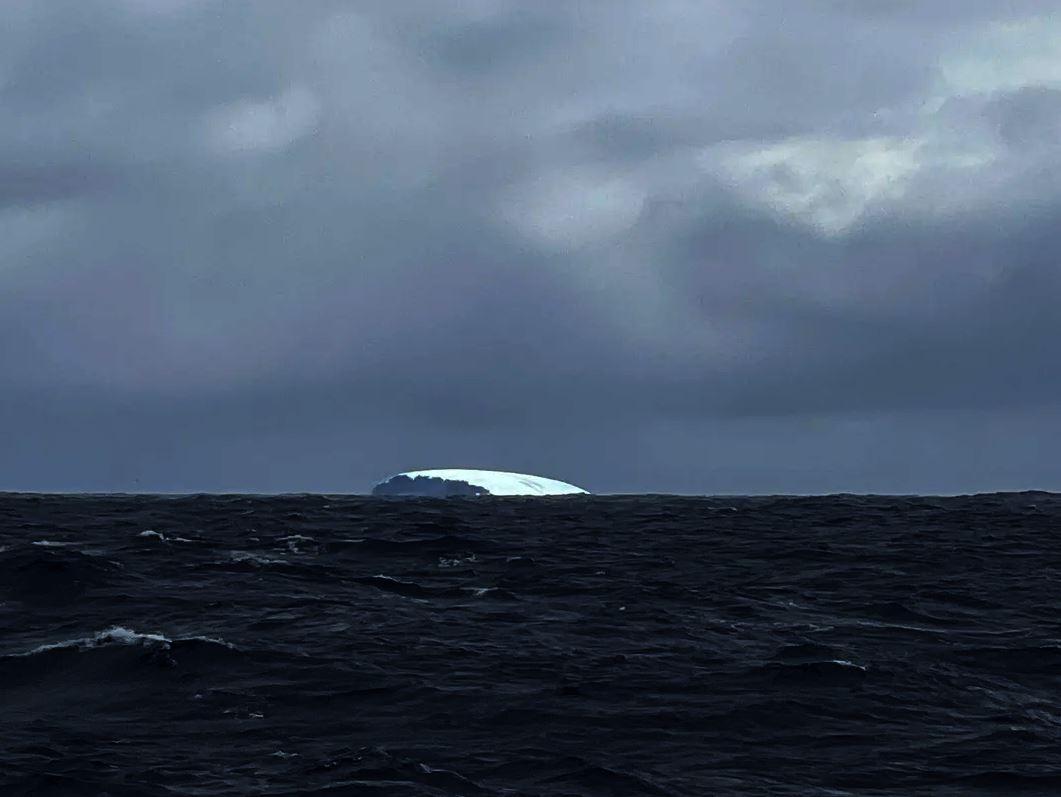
(330, 646)
(427, 487)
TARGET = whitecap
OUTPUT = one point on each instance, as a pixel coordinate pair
(253, 558)
(296, 542)
(456, 561)
(116, 635)
(120, 635)
(846, 663)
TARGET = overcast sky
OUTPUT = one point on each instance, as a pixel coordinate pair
(699, 247)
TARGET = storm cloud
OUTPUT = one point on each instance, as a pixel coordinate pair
(670, 246)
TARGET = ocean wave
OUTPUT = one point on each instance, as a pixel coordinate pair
(117, 636)
(408, 589)
(51, 575)
(255, 559)
(830, 672)
(299, 543)
(425, 547)
(796, 646)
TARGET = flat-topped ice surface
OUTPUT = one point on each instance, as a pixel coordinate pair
(461, 481)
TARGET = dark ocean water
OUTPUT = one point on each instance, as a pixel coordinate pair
(322, 645)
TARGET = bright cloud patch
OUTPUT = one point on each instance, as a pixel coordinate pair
(573, 208)
(1005, 57)
(263, 126)
(823, 182)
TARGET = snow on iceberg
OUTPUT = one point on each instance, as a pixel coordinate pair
(446, 482)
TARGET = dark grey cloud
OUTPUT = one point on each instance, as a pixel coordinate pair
(667, 246)
(31, 185)
(508, 40)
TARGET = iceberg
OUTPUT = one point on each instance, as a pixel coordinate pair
(448, 482)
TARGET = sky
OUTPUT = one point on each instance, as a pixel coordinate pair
(668, 246)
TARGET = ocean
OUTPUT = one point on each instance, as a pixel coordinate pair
(647, 645)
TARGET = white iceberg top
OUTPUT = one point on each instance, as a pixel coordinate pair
(459, 481)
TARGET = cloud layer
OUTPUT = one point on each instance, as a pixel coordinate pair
(676, 246)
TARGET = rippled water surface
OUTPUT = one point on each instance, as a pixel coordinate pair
(325, 645)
